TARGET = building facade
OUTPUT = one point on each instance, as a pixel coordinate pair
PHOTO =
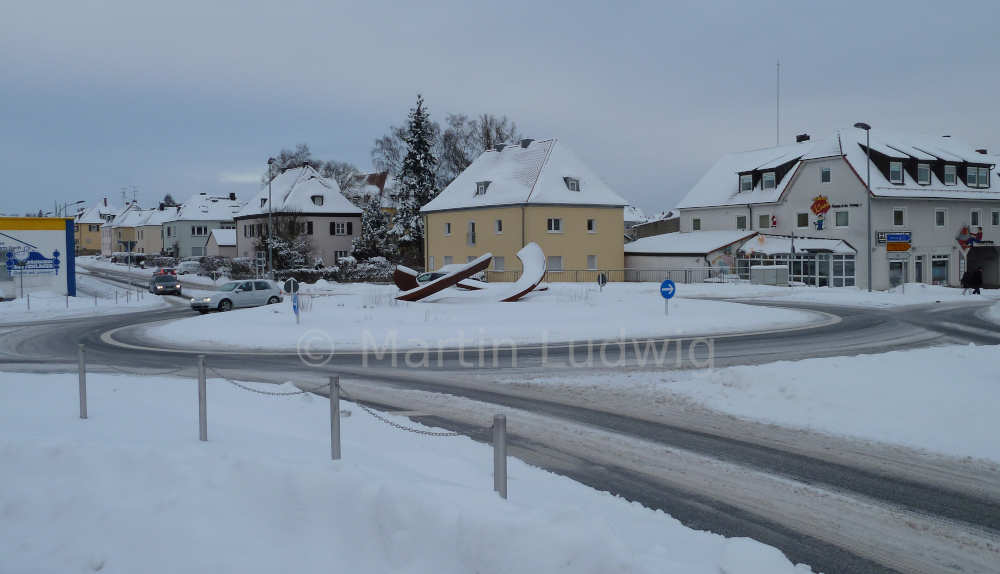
(185, 233)
(926, 194)
(87, 227)
(312, 203)
(531, 191)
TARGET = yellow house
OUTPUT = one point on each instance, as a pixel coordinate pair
(87, 227)
(530, 191)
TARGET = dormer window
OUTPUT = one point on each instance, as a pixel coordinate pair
(983, 178)
(972, 176)
(481, 187)
(317, 199)
(746, 182)
(768, 179)
(263, 201)
(949, 174)
(895, 172)
(924, 173)
(572, 183)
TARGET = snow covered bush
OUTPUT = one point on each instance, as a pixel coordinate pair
(349, 270)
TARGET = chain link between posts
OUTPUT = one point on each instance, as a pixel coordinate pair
(139, 371)
(395, 425)
(268, 393)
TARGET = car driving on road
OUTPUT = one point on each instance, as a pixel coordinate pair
(247, 293)
(165, 285)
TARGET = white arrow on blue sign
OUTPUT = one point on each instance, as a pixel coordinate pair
(668, 289)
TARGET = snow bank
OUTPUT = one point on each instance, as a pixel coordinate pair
(367, 315)
(939, 399)
(132, 490)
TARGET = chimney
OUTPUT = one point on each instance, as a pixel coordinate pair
(982, 150)
(526, 142)
(161, 206)
(105, 201)
(500, 146)
(801, 138)
(232, 196)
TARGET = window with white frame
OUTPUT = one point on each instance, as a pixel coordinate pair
(340, 228)
(843, 270)
(696, 224)
(841, 219)
(995, 218)
(470, 236)
(447, 228)
(769, 180)
(898, 217)
(592, 262)
(895, 172)
(554, 263)
(824, 175)
(499, 226)
(572, 183)
(741, 222)
(481, 187)
(972, 176)
(447, 259)
(764, 221)
(802, 220)
(199, 230)
(975, 218)
(940, 217)
(498, 264)
(338, 255)
(924, 173)
(950, 174)
(746, 182)
(984, 177)
(591, 226)
(554, 225)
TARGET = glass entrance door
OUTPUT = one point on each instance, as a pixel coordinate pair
(918, 270)
(897, 273)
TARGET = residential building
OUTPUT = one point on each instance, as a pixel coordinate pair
(926, 193)
(665, 222)
(379, 186)
(149, 230)
(221, 243)
(530, 191)
(313, 203)
(87, 227)
(121, 231)
(186, 232)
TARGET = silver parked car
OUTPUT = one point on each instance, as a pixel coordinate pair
(248, 293)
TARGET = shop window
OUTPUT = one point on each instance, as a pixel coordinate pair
(939, 269)
(696, 224)
(842, 219)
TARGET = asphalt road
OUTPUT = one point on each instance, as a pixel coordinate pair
(902, 487)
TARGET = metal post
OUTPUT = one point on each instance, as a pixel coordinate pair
(270, 226)
(335, 417)
(82, 354)
(128, 293)
(67, 301)
(29, 295)
(666, 307)
(868, 152)
(116, 296)
(500, 455)
(202, 398)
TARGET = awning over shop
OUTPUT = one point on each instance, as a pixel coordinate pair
(782, 244)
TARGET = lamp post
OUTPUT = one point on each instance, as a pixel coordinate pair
(270, 176)
(868, 167)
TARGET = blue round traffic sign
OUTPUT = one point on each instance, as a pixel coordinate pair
(668, 289)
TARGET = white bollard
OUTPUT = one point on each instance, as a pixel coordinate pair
(500, 455)
(29, 301)
(83, 381)
(335, 417)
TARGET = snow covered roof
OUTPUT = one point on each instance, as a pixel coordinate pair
(720, 186)
(634, 215)
(774, 244)
(204, 207)
(294, 191)
(224, 237)
(99, 213)
(539, 172)
(158, 216)
(694, 242)
(131, 217)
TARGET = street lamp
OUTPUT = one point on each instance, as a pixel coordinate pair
(868, 167)
(270, 227)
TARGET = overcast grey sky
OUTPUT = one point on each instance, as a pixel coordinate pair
(182, 97)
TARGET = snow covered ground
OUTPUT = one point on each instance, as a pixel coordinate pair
(131, 489)
(189, 279)
(363, 316)
(939, 399)
(94, 297)
(912, 294)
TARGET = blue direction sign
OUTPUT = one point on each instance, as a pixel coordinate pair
(668, 289)
(901, 236)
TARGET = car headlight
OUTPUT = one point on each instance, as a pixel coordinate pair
(206, 299)
(178, 285)
(159, 286)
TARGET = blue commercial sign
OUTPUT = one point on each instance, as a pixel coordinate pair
(901, 236)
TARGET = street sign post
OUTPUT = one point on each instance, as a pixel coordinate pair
(292, 286)
(295, 306)
(667, 290)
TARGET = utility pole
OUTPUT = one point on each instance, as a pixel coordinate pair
(777, 108)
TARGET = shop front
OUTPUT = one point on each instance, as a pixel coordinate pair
(817, 262)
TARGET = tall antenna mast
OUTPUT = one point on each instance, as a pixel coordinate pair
(777, 108)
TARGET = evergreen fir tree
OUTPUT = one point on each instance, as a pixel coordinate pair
(417, 184)
(372, 241)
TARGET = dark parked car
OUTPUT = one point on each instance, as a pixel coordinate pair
(165, 285)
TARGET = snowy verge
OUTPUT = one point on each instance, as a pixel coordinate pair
(912, 294)
(125, 489)
(94, 297)
(368, 316)
(936, 399)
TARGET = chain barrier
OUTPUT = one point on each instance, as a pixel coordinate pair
(159, 374)
(395, 425)
(267, 393)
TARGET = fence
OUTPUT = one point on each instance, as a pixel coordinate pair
(334, 392)
(677, 275)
